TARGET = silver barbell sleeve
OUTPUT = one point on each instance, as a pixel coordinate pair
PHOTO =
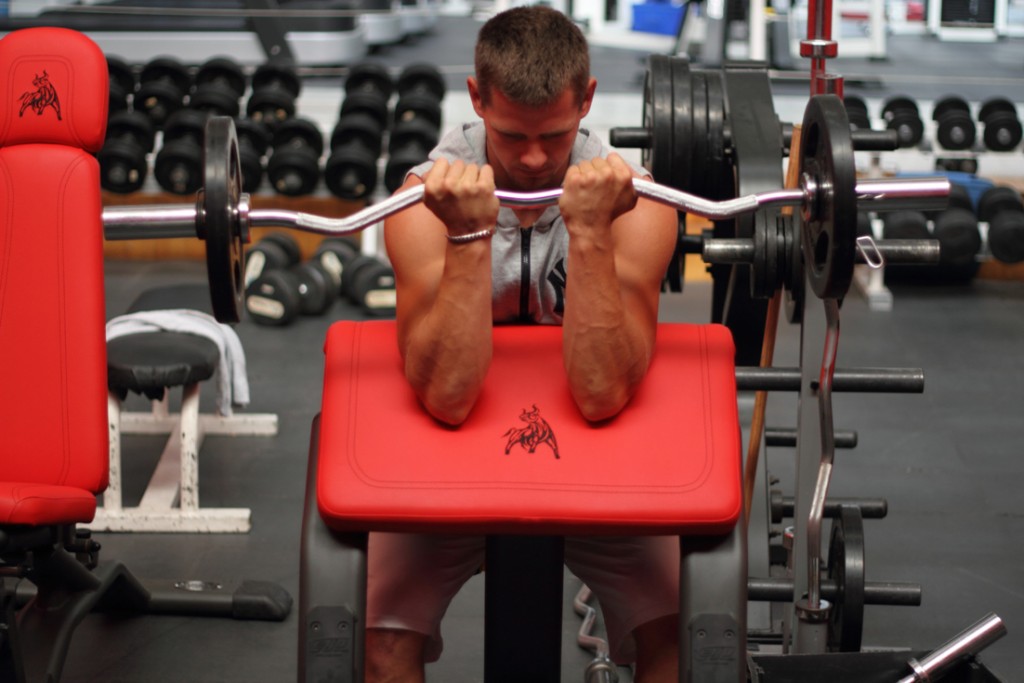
(180, 220)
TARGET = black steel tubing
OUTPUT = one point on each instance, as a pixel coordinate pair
(875, 592)
(782, 507)
(781, 437)
(868, 380)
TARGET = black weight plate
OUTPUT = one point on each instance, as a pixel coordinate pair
(717, 164)
(657, 116)
(698, 156)
(679, 145)
(846, 568)
(220, 224)
(830, 219)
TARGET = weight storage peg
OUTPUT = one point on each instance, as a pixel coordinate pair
(955, 128)
(421, 88)
(163, 84)
(294, 164)
(123, 163)
(275, 87)
(1002, 208)
(1003, 130)
(178, 167)
(368, 88)
(253, 142)
(902, 115)
(219, 86)
(351, 169)
(409, 145)
(122, 83)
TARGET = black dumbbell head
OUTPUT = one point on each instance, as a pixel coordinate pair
(370, 284)
(294, 166)
(857, 112)
(316, 288)
(334, 254)
(223, 72)
(1006, 236)
(273, 298)
(163, 83)
(122, 82)
(287, 243)
(299, 132)
(955, 127)
(422, 77)
(1003, 131)
(369, 76)
(179, 165)
(358, 129)
(958, 236)
(123, 163)
(214, 99)
(274, 76)
(350, 172)
(367, 103)
(418, 105)
(253, 142)
(905, 225)
(266, 255)
(998, 199)
(901, 114)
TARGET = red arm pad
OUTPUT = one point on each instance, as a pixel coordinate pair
(669, 463)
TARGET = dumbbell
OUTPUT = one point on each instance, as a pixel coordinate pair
(902, 115)
(959, 238)
(275, 87)
(178, 167)
(421, 88)
(163, 83)
(368, 88)
(271, 289)
(253, 142)
(219, 86)
(122, 83)
(857, 112)
(369, 283)
(1003, 130)
(351, 169)
(123, 164)
(410, 143)
(955, 128)
(905, 225)
(279, 288)
(1001, 207)
(334, 254)
(294, 164)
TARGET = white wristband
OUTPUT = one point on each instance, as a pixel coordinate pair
(470, 237)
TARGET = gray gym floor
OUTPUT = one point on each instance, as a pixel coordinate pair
(948, 461)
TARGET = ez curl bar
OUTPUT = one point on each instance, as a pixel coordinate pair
(828, 198)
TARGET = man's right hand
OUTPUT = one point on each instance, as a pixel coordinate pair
(462, 196)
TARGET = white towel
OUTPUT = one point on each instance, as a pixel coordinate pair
(232, 381)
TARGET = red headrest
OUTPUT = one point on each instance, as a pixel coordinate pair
(53, 85)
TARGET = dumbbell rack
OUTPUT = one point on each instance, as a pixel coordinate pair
(192, 249)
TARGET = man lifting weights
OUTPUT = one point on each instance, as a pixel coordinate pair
(593, 264)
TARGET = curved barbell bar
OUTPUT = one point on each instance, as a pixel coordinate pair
(181, 220)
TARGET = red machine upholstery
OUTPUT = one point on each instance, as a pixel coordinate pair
(668, 463)
(53, 401)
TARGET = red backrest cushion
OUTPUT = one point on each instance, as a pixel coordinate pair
(53, 88)
(669, 463)
(53, 410)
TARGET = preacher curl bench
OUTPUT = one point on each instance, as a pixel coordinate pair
(54, 457)
(668, 464)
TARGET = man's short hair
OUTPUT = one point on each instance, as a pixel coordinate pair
(531, 55)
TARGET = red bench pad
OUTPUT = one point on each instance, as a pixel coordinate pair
(43, 504)
(669, 463)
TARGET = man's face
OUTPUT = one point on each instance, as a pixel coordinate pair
(529, 147)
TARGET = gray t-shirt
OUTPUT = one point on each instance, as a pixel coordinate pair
(528, 262)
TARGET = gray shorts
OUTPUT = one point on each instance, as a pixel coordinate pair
(412, 578)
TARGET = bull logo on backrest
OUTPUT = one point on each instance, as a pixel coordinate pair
(44, 95)
(536, 432)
